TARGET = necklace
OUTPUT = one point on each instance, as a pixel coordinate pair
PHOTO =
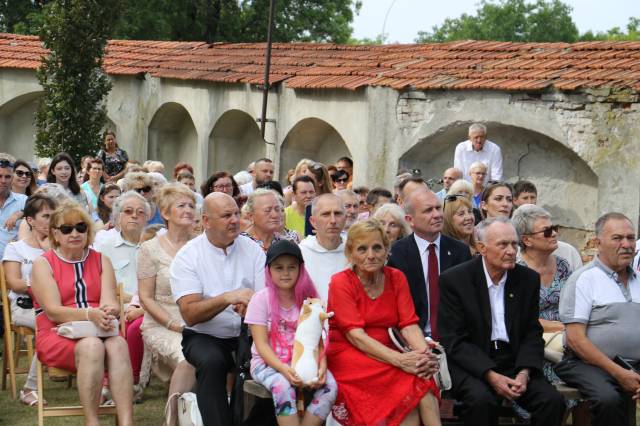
(371, 287)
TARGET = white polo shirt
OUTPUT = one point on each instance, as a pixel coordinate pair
(202, 268)
(490, 155)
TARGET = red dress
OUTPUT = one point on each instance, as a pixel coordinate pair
(371, 392)
(79, 284)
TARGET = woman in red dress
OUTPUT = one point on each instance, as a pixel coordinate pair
(377, 384)
(72, 282)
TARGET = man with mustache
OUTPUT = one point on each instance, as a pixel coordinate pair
(600, 307)
(425, 254)
(488, 319)
(213, 277)
(323, 253)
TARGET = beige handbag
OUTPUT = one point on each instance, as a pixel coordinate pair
(81, 329)
(553, 346)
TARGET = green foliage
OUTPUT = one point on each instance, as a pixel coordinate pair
(615, 34)
(72, 113)
(509, 20)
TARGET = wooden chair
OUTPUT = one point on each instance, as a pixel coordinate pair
(13, 336)
(76, 410)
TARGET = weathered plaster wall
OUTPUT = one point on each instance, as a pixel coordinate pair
(581, 149)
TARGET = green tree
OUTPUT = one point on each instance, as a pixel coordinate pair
(615, 33)
(72, 113)
(509, 20)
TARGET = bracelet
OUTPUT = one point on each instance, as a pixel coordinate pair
(87, 313)
(168, 325)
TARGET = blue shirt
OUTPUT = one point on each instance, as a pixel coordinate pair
(13, 204)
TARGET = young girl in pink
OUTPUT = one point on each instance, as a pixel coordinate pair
(287, 286)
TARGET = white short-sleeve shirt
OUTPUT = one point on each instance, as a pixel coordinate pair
(202, 268)
(23, 253)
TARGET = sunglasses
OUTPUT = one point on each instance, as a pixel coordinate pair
(81, 227)
(341, 180)
(22, 173)
(548, 231)
(452, 197)
(5, 164)
(143, 189)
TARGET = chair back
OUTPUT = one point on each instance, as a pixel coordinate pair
(6, 307)
(121, 320)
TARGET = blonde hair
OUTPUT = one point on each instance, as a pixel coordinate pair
(460, 186)
(133, 178)
(361, 230)
(449, 210)
(398, 215)
(71, 212)
(168, 194)
(305, 162)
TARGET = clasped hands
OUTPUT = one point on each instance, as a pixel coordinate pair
(422, 363)
(102, 316)
(507, 387)
(239, 299)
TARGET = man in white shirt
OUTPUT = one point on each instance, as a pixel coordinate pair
(488, 322)
(262, 172)
(212, 280)
(478, 148)
(323, 253)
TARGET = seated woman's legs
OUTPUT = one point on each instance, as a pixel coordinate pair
(120, 378)
(183, 380)
(430, 410)
(89, 357)
(136, 346)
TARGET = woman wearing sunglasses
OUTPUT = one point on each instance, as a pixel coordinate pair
(72, 282)
(538, 240)
(23, 181)
(142, 183)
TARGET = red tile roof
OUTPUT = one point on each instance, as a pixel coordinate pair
(455, 65)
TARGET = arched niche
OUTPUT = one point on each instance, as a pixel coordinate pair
(311, 138)
(567, 187)
(172, 137)
(18, 125)
(235, 141)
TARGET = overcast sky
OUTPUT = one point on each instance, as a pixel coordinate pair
(407, 17)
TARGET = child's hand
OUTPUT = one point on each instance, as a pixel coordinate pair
(322, 376)
(290, 374)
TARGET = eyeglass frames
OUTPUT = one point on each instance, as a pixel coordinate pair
(81, 227)
(22, 173)
(143, 189)
(547, 232)
(6, 164)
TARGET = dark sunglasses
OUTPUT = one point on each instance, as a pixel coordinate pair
(22, 173)
(5, 164)
(452, 197)
(81, 227)
(548, 231)
(341, 180)
(143, 189)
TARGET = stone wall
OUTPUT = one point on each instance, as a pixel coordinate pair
(580, 148)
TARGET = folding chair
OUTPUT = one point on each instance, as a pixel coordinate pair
(76, 410)
(13, 336)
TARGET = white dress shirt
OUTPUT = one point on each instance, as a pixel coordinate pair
(496, 299)
(423, 249)
(202, 268)
(124, 259)
(490, 155)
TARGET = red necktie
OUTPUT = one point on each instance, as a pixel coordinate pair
(434, 290)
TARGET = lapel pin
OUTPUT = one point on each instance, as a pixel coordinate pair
(448, 253)
(511, 295)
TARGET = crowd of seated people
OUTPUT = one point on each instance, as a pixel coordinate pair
(476, 267)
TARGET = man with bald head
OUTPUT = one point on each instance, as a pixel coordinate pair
(323, 252)
(212, 279)
(425, 254)
(450, 175)
(488, 321)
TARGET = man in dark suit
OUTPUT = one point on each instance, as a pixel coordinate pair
(426, 253)
(488, 320)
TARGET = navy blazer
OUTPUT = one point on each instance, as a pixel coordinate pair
(406, 257)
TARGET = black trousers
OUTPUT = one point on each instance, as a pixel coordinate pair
(212, 358)
(481, 403)
(608, 402)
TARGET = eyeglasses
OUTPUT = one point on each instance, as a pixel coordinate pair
(341, 180)
(6, 164)
(22, 173)
(452, 197)
(81, 227)
(143, 189)
(547, 232)
(129, 211)
(223, 186)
